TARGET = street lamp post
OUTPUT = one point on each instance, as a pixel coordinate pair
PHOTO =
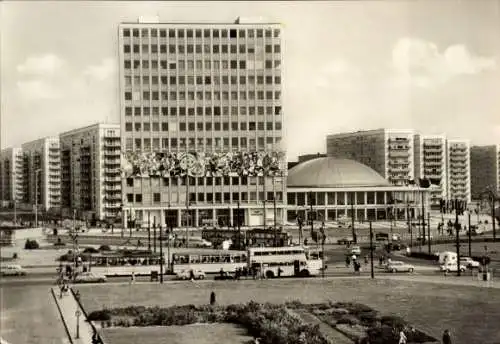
(77, 314)
(239, 224)
(161, 255)
(36, 197)
(149, 231)
(457, 238)
(354, 237)
(372, 273)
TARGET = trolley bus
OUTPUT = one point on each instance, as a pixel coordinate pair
(124, 263)
(285, 261)
(209, 261)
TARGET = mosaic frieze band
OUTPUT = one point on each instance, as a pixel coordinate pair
(200, 164)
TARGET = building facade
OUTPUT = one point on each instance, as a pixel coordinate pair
(334, 189)
(390, 152)
(202, 123)
(485, 170)
(11, 176)
(42, 173)
(430, 164)
(459, 171)
(90, 163)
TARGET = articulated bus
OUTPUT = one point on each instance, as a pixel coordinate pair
(125, 264)
(209, 262)
(285, 261)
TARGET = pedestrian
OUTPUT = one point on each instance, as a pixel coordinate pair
(347, 261)
(402, 337)
(212, 298)
(366, 259)
(132, 277)
(446, 337)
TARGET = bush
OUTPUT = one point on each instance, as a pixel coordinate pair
(90, 250)
(348, 319)
(393, 321)
(104, 248)
(102, 315)
(31, 245)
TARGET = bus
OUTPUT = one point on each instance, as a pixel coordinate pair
(124, 263)
(209, 261)
(285, 261)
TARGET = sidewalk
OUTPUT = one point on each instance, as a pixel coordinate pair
(68, 307)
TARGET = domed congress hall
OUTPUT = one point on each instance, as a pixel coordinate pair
(336, 187)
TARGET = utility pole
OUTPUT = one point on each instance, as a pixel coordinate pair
(372, 271)
(36, 197)
(409, 224)
(311, 212)
(470, 236)
(154, 234)
(239, 224)
(429, 231)
(170, 230)
(149, 231)
(161, 255)
(275, 224)
(187, 210)
(423, 217)
(457, 238)
(493, 218)
(354, 238)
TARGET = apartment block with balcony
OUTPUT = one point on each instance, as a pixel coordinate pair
(202, 100)
(430, 163)
(388, 151)
(459, 170)
(91, 183)
(485, 169)
(11, 176)
(42, 173)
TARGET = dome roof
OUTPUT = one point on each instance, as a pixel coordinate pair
(332, 172)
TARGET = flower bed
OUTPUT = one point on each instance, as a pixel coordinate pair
(273, 323)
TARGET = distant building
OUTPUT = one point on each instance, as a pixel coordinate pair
(485, 169)
(390, 152)
(91, 182)
(430, 164)
(11, 176)
(42, 173)
(459, 172)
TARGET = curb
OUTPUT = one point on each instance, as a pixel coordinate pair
(79, 303)
(62, 316)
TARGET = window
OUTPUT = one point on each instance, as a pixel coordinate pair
(277, 48)
(126, 32)
(128, 126)
(156, 197)
(269, 126)
(126, 48)
(138, 198)
(130, 198)
(234, 64)
(164, 126)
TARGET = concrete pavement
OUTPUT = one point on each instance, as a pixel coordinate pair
(69, 308)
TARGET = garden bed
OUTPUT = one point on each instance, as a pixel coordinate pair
(271, 322)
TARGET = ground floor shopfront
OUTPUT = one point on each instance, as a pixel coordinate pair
(251, 215)
(365, 204)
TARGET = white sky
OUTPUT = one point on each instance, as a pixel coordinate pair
(349, 65)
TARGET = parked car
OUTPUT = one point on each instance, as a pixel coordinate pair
(356, 250)
(345, 241)
(398, 266)
(225, 276)
(186, 274)
(203, 243)
(90, 277)
(469, 263)
(452, 267)
(12, 270)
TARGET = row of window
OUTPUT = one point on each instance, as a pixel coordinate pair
(217, 126)
(198, 33)
(267, 63)
(200, 181)
(338, 198)
(200, 111)
(217, 142)
(199, 95)
(217, 197)
(204, 80)
(199, 49)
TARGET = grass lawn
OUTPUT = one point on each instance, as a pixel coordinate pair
(472, 314)
(192, 334)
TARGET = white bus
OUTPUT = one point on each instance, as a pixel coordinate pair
(285, 261)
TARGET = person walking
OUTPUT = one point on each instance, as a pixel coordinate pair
(212, 298)
(347, 261)
(446, 337)
(402, 337)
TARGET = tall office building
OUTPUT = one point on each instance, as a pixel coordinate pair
(485, 169)
(202, 123)
(90, 163)
(390, 152)
(42, 173)
(430, 164)
(11, 176)
(458, 166)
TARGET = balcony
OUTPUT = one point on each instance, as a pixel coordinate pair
(112, 144)
(112, 153)
(399, 154)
